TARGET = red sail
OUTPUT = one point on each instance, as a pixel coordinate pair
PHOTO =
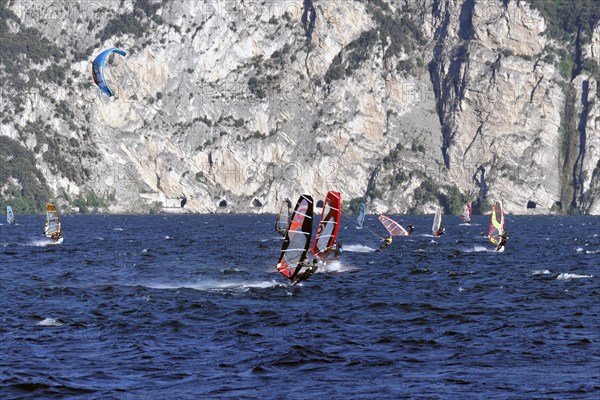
(297, 238)
(328, 227)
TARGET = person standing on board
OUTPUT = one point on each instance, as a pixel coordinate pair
(410, 229)
(386, 243)
(309, 270)
(502, 243)
(337, 253)
(440, 231)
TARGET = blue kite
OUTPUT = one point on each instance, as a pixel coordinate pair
(98, 69)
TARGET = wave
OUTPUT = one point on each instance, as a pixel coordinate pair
(41, 243)
(358, 248)
(541, 272)
(335, 266)
(568, 276)
(212, 285)
(477, 249)
(50, 322)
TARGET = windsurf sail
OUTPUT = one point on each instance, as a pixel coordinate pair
(328, 226)
(52, 227)
(437, 221)
(466, 215)
(362, 212)
(10, 217)
(297, 238)
(496, 223)
(283, 218)
(394, 228)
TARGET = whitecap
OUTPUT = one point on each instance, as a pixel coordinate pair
(118, 229)
(541, 272)
(477, 249)
(50, 322)
(358, 248)
(567, 276)
(212, 285)
(41, 243)
(579, 249)
(335, 266)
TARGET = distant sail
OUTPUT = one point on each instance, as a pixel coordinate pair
(497, 223)
(10, 217)
(52, 227)
(466, 215)
(362, 212)
(297, 238)
(328, 226)
(437, 221)
(283, 218)
(394, 228)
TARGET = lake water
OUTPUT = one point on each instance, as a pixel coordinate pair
(190, 306)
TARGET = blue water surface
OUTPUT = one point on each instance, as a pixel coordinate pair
(190, 306)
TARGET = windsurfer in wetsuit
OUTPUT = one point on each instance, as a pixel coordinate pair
(386, 243)
(503, 240)
(336, 249)
(410, 229)
(337, 253)
(309, 269)
(440, 231)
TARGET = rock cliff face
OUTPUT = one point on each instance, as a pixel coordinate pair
(239, 105)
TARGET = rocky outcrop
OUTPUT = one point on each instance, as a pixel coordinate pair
(239, 105)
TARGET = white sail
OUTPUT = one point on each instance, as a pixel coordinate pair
(52, 227)
(437, 221)
(10, 217)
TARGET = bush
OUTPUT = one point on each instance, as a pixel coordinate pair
(353, 205)
(17, 163)
(454, 200)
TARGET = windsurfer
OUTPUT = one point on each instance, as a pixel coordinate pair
(440, 231)
(309, 269)
(337, 253)
(386, 243)
(503, 240)
(336, 249)
(410, 229)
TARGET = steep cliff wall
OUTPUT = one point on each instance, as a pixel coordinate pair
(239, 105)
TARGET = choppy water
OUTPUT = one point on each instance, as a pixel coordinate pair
(190, 307)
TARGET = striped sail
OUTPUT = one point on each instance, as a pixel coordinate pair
(328, 226)
(394, 228)
(297, 238)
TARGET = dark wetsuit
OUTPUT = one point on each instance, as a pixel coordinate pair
(309, 269)
(503, 240)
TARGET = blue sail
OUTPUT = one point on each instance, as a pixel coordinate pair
(362, 211)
